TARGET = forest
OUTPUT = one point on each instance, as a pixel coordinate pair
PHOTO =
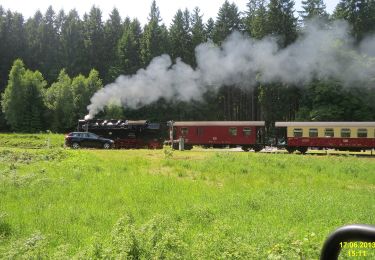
(51, 64)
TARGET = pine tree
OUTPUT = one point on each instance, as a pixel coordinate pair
(278, 101)
(256, 27)
(228, 20)
(282, 24)
(209, 28)
(256, 19)
(43, 44)
(154, 13)
(33, 28)
(13, 43)
(113, 30)
(72, 44)
(180, 37)
(49, 40)
(155, 37)
(59, 21)
(3, 124)
(313, 9)
(128, 50)
(198, 33)
(2, 50)
(359, 13)
(281, 21)
(94, 40)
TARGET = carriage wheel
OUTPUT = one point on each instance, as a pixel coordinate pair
(302, 150)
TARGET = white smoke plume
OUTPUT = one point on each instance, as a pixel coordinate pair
(242, 61)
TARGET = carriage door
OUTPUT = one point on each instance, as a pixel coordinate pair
(199, 131)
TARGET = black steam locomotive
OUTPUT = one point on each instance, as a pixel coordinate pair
(127, 134)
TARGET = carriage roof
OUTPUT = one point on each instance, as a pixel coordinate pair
(218, 123)
(325, 124)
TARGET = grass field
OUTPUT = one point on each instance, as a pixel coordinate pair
(144, 204)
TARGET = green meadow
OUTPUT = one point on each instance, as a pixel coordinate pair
(58, 203)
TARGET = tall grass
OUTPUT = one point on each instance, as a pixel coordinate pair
(42, 140)
(57, 203)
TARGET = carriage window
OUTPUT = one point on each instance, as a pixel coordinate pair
(297, 132)
(233, 131)
(199, 130)
(362, 132)
(345, 132)
(328, 132)
(247, 131)
(184, 130)
(313, 132)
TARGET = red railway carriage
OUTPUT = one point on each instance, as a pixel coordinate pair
(354, 136)
(247, 134)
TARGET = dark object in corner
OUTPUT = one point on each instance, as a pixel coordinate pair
(334, 243)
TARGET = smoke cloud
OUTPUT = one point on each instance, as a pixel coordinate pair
(241, 61)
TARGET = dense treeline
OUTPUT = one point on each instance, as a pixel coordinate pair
(43, 60)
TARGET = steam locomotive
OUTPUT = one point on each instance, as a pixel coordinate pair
(127, 134)
(292, 136)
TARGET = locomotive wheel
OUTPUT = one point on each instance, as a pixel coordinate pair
(188, 147)
(257, 148)
(302, 150)
(245, 148)
(290, 149)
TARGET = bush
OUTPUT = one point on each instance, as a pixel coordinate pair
(33, 247)
(124, 241)
(307, 248)
(221, 244)
(161, 238)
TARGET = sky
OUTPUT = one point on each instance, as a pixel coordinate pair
(134, 9)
